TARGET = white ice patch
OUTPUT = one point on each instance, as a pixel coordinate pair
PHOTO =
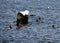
(26, 12)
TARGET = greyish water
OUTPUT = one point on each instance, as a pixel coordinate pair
(37, 31)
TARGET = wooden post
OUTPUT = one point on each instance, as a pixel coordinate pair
(22, 19)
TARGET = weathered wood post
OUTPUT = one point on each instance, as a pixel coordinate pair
(22, 18)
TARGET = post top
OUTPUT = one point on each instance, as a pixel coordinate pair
(26, 12)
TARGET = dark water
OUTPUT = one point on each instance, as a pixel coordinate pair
(37, 31)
